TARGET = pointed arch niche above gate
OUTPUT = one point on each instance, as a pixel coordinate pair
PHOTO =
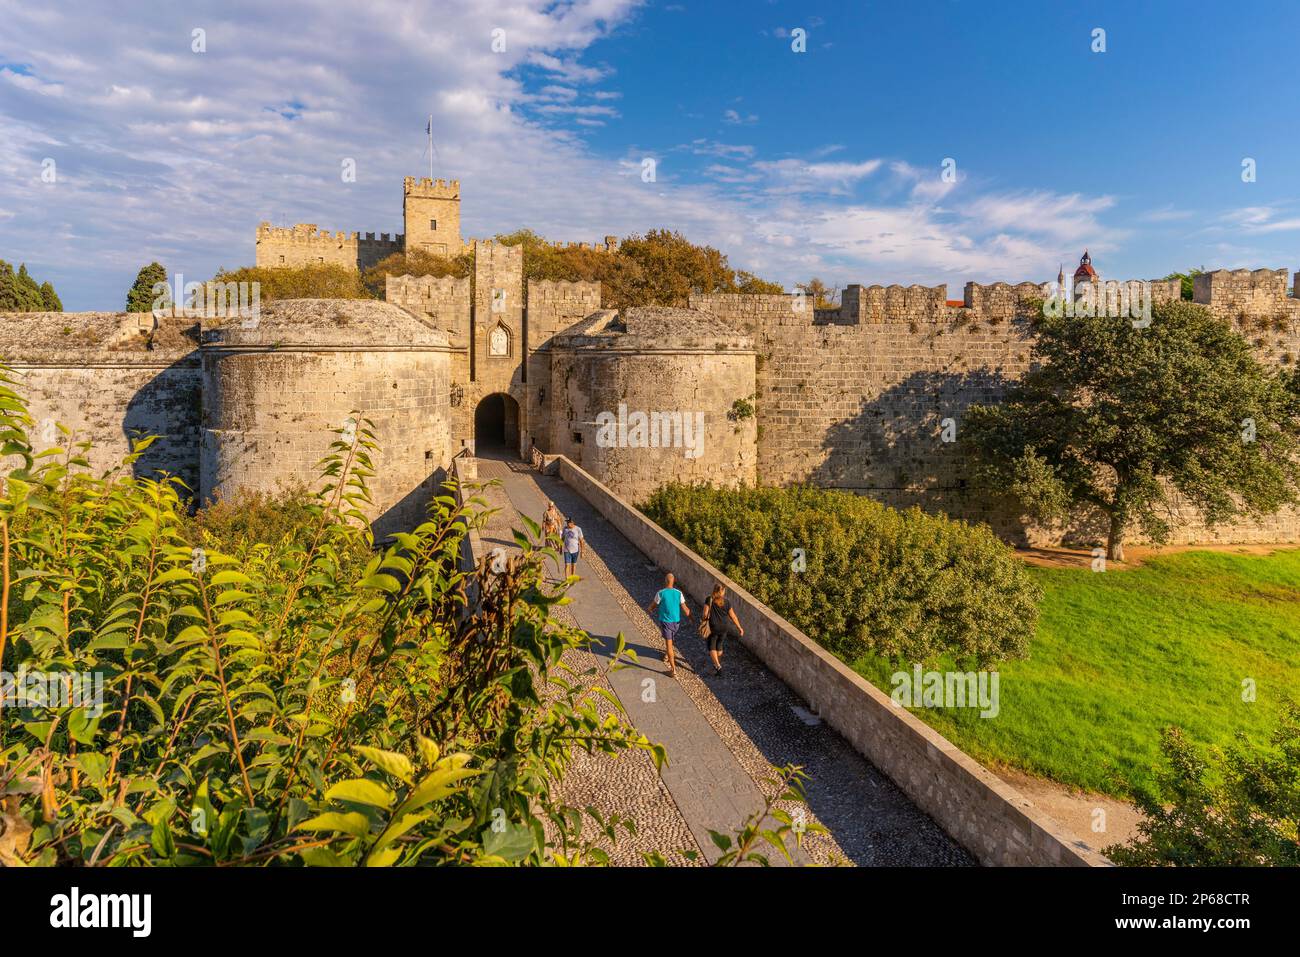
(499, 341)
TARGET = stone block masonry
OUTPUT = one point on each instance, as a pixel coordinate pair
(862, 398)
(305, 245)
(109, 378)
(858, 399)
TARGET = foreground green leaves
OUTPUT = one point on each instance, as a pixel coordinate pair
(279, 691)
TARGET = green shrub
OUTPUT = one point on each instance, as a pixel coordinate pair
(902, 584)
(295, 698)
(1235, 807)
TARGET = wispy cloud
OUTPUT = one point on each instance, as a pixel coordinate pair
(166, 154)
(1260, 219)
(796, 175)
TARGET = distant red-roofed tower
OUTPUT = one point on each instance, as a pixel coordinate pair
(1085, 272)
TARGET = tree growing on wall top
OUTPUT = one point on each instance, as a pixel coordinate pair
(309, 281)
(141, 295)
(661, 268)
(1116, 419)
(1187, 281)
(823, 296)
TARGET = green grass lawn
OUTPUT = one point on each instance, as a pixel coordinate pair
(1120, 655)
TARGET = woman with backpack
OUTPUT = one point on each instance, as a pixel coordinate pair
(719, 621)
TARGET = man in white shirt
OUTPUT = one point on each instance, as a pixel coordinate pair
(572, 539)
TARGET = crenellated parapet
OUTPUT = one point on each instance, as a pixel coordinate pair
(493, 253)
(554, 290)
(557, 304)
(893, 303)
(442, 301)
(304, 244)
(610, 245)
(1241, 295)
(431, 188)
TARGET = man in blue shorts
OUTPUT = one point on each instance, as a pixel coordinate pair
(572, 540)
(666, 609)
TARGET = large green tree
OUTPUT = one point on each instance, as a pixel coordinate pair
(19, 292)
(29, 292)
(50, 300)
(1117, 418)
(8, 291)
(141, 296)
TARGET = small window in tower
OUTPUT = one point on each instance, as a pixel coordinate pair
(281, 260)
(433, 224)
(577, 437)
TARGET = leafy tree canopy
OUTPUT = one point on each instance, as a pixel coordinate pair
(1235, 807)
(1116, 418)
(1187, 279)
(823, 296)
(19, 292)
(312, 281)
(418, 262)
(140, 297)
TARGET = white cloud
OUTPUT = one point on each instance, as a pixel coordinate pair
(800, 176)
(1062, 216)
(1260, 219)
(169, 155)
(702, 147)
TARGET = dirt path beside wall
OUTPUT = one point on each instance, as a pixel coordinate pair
(1077, 812)
(1135, 555)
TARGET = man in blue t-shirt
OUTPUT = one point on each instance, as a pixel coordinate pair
(666, 609)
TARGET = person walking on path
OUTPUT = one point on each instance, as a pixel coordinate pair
(551, 521)
(666, 609)
(572, 540)
(718, 620)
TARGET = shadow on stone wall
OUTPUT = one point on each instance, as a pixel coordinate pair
(412, 508)
(169, 406)
(894, 451)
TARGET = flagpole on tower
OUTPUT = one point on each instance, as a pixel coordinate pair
(429, 129)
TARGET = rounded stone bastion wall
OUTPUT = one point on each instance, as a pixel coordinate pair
(651, 395)
(276, 387)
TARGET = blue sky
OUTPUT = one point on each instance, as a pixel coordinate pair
(825, 162)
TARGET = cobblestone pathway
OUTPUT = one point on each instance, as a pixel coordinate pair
(724, 735)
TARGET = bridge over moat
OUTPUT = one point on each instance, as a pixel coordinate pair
(723, 734)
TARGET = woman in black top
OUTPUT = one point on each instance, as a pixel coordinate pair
(722, 621)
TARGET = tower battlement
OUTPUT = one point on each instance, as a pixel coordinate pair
(426, 188)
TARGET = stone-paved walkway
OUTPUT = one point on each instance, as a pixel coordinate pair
(723, 734)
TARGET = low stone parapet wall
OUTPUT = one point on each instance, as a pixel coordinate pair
(992, 820)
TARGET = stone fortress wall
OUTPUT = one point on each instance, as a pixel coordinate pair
(305, 245)
(853, 397)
